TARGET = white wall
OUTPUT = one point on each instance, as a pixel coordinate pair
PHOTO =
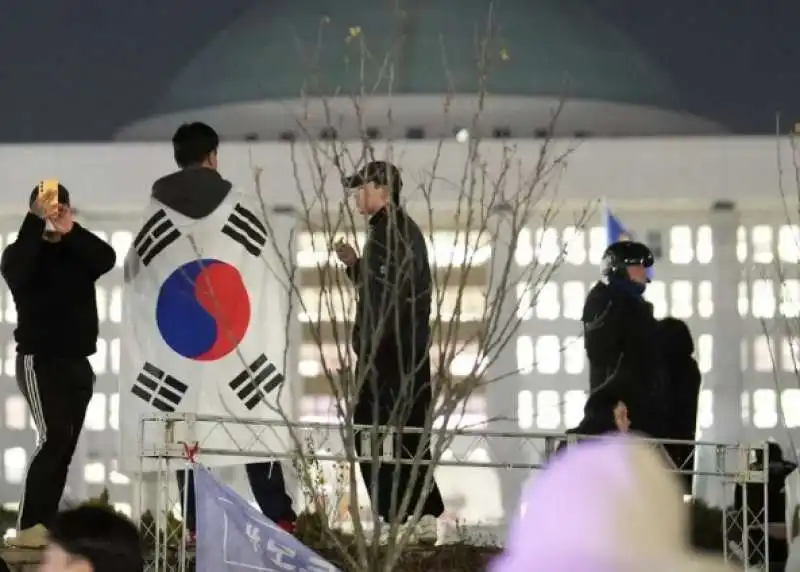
(648, 173)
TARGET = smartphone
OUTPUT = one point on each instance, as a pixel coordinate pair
(48, 192)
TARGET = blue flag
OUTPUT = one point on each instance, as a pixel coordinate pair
(232, 536)
(616, 231)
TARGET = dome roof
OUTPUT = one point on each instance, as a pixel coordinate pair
(278, 50)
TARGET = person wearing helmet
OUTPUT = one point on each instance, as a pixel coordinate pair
(620, 338)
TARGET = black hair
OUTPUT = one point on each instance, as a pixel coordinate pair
(193, 143)
(107, 540)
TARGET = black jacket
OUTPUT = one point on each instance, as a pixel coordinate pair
(53, 285)
(394, 284)
(683, 378)
(625, 363)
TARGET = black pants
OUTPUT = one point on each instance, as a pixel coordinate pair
(58, 391)
(266, 482)
(378, 410)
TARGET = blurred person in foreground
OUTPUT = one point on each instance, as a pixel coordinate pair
(683, 387)
(51, 270)
(92, 539)
(626, 373)
(391, 337)
(609, 505)
(195, 191)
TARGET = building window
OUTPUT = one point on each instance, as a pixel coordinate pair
(10, 314)
(547, 248)
(547, 306)
(548, 414)
(323, 306)
(10, 361)
(705, 409)
(598, 242)
(573, 294)
(574, 240)
(114, 355)
(705, 245)
(761, 237)
(525, 409)
(790, 299)
(705, 352)
(680, 245)
(742, 300)
(460, 248)
(574, 355)
(525, 357)
(574, 402)
(548, 355)
(94, 473)
(99, 358)
(762, 354)
(765, 409)
(523, 254)
(16, 411)
(463, 303)
(524, 301)
(705, 299)
(789, 243)
(113, 411)
(14, 462)
(741, 244)
(681, 306)
(763, 299)
(790, 404)
(95, 419)
(656, 294)
(121, 241)
(790, 352)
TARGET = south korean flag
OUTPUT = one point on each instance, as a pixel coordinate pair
(205, 304)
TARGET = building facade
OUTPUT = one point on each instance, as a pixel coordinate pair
(725, 238)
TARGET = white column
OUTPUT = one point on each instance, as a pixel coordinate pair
(725, 380)
(502, 395)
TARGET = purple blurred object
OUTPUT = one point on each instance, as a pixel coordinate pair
(607, 505)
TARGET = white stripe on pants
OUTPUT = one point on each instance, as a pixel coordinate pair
(37, 413)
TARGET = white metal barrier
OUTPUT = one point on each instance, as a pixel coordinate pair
(157, 497)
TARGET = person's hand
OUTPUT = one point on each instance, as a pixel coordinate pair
(346, 253)
(621, 417)
(62, 222)
(45, 207)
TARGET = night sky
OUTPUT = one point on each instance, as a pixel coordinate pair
(76, 71)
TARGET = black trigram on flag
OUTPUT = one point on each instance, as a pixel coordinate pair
(256, 381)
(156, 235)
(160, 390)
(244, 227)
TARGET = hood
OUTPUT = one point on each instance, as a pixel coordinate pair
(194, 192)
(605, 505)
(676, 337)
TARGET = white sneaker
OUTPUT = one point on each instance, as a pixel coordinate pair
(448, 531)
(426, 530)
(33, 537)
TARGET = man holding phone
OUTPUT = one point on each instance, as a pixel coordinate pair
(51, 270)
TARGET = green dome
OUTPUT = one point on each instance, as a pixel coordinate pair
(553, 48)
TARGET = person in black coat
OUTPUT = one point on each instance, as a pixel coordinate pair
(683, 387)
(626, 372)
(391, 339)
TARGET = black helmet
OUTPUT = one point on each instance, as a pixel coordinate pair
(624, 253)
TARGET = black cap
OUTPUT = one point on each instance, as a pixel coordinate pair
(63, 193)
(378, 172)
(620, 255)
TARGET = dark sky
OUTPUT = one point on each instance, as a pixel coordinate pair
(79, 70)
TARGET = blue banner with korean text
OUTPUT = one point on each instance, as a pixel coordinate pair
(232, 536)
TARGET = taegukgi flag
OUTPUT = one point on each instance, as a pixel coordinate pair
(205, 309)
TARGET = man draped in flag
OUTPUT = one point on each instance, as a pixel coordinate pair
(196, 317)
(626, 372)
